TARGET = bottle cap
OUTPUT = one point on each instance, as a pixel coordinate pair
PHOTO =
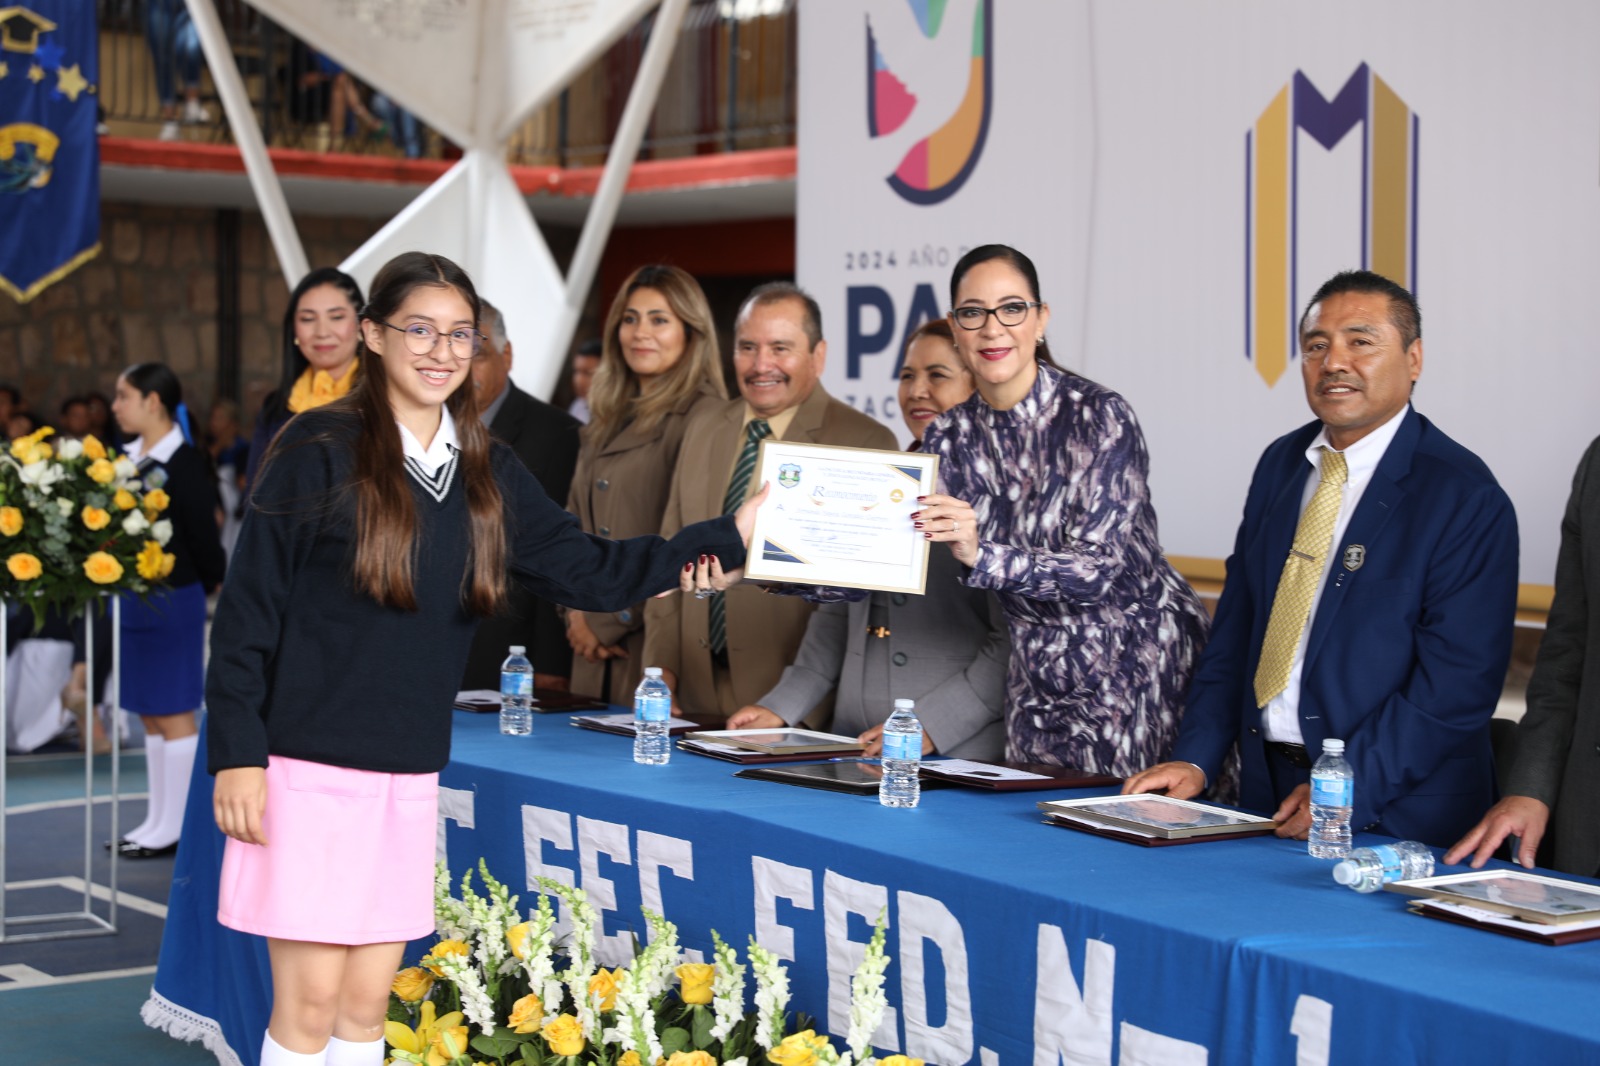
(518, 649)
(652, 671)
(903, 705)
(1333, 747)
(1345, 872)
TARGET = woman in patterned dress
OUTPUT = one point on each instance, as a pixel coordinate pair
(1045, 502)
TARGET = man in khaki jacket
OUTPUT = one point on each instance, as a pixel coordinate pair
(715, 666)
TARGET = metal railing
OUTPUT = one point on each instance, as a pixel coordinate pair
(731, 87)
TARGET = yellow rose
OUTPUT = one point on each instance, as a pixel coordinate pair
(696, 978)
(10, 521)
(95, 518)
(691, 1058)
(449, 1043)
(798, 1050)
(93, 448)
(564, 1035)
(526, 1014)
(101, 472)
(899, 1060)
(148, 562)
(24, 567)
(102, 569)
(446, 947)
(517, 937)
(156, 500)
(629, 1058)
(124, 500)
(604, 984)
(411, 984)
(167, 562)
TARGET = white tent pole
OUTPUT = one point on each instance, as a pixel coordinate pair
(247, 135)
(619, 162)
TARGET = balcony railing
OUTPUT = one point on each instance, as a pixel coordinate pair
(730, 87)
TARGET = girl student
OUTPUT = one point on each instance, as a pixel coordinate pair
(383, 528)
(163, 635)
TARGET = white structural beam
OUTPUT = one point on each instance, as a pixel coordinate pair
(247, 135)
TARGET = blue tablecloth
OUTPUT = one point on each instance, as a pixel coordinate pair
(1014, 942)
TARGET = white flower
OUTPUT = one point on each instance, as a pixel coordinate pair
(727, 989)
(161, 531)
(69, 449)
(867, 1000)
(124, 468)
(135, 524)
(64, 505)
(42, 474)
(772, 995)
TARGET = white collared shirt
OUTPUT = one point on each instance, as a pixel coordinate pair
(163, 449)
(1280, 719)
(437, 453)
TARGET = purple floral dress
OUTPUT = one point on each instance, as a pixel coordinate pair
(1104, 632)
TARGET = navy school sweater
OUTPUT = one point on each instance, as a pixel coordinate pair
(303, 665)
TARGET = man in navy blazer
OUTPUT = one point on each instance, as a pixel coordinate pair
(1404, 654)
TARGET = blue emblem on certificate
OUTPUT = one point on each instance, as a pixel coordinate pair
(789, 475)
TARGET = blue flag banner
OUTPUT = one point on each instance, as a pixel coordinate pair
(49, 155)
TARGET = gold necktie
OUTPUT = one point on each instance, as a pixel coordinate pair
(1291, 607)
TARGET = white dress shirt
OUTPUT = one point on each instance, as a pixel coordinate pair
(161, 451)
(436, 454)
(1280, 719)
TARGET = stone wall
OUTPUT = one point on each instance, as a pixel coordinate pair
(151, 296)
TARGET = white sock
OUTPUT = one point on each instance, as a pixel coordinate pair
(350, 1053)
(154, 748)
(177, 760)
(275, 1054)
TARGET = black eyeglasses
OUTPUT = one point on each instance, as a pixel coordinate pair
(1010, 313)
(422, 339)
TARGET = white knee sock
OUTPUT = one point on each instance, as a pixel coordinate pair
(154, 748)
(350, 1053)
(177, 760)
(275, 1054)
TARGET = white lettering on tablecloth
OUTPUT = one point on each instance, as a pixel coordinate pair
(673, 853)
(597, 838)
(841, 897)
(923, 918)
(455, 805)
(541, 825)
(1312, 1024)
(773, 881)
(1069, 1026)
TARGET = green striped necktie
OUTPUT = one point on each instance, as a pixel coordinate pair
(738, 485)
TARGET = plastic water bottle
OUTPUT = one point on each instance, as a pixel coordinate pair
(1333, 793)
(516, 693)
(902, 757)
(1368, 869)
(652, 709)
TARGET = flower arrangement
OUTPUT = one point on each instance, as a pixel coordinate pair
(76, 521)
(497, 989)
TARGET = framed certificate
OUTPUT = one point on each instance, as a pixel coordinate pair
(841, 517)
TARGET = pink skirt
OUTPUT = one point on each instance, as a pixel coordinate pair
(348, 858)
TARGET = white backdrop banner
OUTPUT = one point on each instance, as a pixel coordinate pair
(1185, 176)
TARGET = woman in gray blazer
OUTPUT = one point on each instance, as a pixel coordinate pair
(947, 650)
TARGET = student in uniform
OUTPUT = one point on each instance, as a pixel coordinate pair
(163, 633)
(383, 528)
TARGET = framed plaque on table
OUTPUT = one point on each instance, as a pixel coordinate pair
(841, 517)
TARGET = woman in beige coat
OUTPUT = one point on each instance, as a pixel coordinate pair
(658, 362)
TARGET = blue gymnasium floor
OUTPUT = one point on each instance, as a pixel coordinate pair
(80, 998)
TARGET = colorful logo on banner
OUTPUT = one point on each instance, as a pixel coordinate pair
(940, 163)
(49, 154)
(1272, 230)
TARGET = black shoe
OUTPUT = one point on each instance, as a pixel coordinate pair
(130, 850)
(119, 845)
